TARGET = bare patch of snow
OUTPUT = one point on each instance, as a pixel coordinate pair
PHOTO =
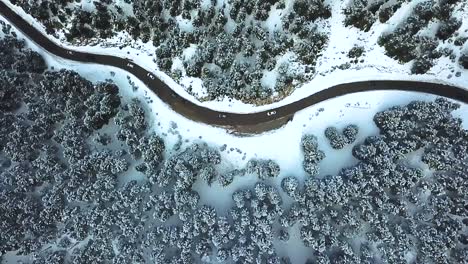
(269, 79)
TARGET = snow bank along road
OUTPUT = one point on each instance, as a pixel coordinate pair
(201, 114)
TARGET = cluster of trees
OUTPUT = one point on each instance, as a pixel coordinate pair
(235, 47)
(464, 60)
(363, 14)
(312, 154)
(405, 43)
(232, 51)
(339, 140)
(355, 54)
(382, 208)
(65, 199)
(102, 22)
(263, 169)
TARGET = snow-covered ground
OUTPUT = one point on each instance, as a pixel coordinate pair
(376, 65)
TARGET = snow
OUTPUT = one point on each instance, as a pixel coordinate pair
(230, 26)
(205, 4)
(193, 85)
(274, 20)
(185, 25)
(88, 5)
(126, 6)
(269, 79)
(189, 52)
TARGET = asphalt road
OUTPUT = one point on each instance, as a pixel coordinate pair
(208, 116)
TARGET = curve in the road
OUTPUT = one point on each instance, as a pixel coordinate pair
(198, 113)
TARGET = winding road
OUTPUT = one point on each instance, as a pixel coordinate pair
(201, 114)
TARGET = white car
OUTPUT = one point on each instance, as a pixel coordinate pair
(151, 76)
(70, 52)
(130, 65)
(271, 113)
(222, 116)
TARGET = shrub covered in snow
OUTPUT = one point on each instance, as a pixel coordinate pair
(464, 60)
(264, 169)
(359, 15)
(312, 154)
(339, 140)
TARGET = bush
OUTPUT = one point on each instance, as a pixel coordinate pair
(463, 60)
(447, 28)
(421, 66)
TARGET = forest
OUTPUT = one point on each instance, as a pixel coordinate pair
(256, 51)
(84, 178)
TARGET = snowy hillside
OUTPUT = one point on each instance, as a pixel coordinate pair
(94, 168)
(90, 175)
(349, 51)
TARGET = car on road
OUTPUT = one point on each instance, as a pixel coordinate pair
(130, 65)
(222, 116)
(270, 113)
(151, 76)
(70, 52)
